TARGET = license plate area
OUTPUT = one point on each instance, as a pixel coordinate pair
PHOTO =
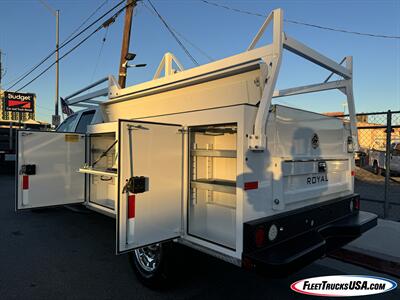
(304, 180)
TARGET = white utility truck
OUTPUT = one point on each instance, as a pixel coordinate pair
(377, 157)
(201, 157)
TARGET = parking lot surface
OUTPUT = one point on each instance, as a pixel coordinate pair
(371, 188)
(58, 253)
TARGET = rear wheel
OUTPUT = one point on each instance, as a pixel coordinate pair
(150, 264)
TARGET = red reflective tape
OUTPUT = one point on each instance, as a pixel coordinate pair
(252, 185)
(131, 206)
(353, 173)
(25, 182)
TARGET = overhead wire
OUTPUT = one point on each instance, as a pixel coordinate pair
(103, 25)
(66, 39)
(173, 34)
(204, 53)
(87, 19)
(65, 43)
(302, 23)
(48, 68)
(103, 41)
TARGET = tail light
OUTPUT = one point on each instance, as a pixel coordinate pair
(356, 203)
(259, 237)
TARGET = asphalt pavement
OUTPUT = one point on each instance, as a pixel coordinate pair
(58, 253)
(371, 188)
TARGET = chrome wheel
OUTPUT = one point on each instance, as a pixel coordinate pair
(149, 257)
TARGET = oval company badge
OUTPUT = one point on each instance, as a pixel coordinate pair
(343, 285)
(315, 141)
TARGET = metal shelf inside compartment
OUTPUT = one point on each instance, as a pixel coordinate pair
(214, 153)
(101, 172)
(214, 184)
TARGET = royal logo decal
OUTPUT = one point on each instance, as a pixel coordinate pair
(317, 179)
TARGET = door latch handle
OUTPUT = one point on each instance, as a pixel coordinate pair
(28, 170)
(136, 185)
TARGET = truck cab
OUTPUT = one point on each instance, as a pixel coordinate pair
(78, 121)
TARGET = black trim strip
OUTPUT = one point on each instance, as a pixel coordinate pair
(301, 210)
(297, 222)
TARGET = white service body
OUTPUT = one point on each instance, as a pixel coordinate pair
(216, 155)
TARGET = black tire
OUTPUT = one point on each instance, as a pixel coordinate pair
(377, 170)
(159, 276)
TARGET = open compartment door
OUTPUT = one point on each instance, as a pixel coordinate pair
(46, 169)
(153, 212)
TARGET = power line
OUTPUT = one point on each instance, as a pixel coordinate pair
(69, 36)
(173, 34)
(103, 41)
(66, 42)
(48, 68)
(303, 23)
(105, 24)
(209, 57)
(87, 19)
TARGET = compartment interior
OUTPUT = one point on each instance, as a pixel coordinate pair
(102, 190)
(212, 203)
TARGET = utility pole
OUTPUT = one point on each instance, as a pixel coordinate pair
(57, 116)
(125, 42)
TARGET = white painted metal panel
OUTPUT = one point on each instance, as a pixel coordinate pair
(302, 141)
(304, 181)
(295, 129)
(57, 157)
(227, 91)
(157, 153)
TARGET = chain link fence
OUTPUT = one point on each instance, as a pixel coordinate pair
(378, 163)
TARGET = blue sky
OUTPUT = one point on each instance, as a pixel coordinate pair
(27, 34)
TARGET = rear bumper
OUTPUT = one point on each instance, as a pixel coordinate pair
(302, 243)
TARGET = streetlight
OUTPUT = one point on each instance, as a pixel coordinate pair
(56, 117)
(129, 57)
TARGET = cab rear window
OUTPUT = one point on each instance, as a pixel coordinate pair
(67, 125)
(84, 121)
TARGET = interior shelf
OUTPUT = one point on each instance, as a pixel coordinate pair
(101, 172)
(214, 153)
(218, 185)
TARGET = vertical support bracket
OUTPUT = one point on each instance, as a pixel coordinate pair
(258, 140)
(166, 65)
(350, 103)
